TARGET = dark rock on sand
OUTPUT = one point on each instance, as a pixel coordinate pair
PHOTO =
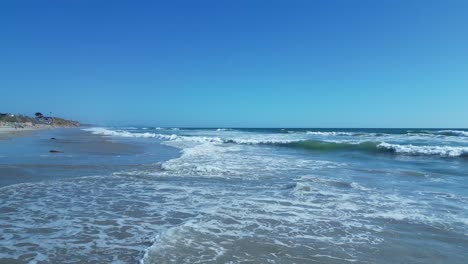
(55, 151)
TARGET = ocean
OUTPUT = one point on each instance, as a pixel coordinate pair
(235, 195)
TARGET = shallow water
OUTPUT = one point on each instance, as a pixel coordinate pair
(243, 195)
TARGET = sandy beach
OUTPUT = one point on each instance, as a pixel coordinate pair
(9, 131)
(26, 156)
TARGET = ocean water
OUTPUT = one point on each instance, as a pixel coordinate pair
(248, 196)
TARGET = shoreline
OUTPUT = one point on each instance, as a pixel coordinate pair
(103, 192)
(8, 132)
(12, 125)
(36, 155)
(11, 131)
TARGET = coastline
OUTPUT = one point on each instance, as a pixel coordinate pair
(175, 195)
(25, 155)
(12, 125)
(7, 132)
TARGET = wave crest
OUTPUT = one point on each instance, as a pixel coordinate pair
(446, 151)
(118, 133)
(300, 143)
(332, 133)
(457, 133)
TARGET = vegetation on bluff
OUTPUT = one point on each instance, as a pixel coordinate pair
(38, 119)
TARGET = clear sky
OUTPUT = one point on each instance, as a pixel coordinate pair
(348, 63)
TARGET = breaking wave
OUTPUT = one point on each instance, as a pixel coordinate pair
(332, 146)
(118, 133)
(332, 133)
(445, 151)
(377, 146)
(457, 133)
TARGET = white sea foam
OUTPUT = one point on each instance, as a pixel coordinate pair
(117, 133)
(331, 133)
(447, 151)
(278, 222)
(127, 134)
(213, 220)
(189, 222)
(257, 141)
(212, 158)
(245, 139)
(228, 232)
(224, 200)
(233, 137)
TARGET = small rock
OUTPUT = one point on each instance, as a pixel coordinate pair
(55, 151)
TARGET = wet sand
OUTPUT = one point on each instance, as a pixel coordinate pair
(10, 132)
(31, 157)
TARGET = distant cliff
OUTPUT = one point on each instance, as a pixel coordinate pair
(8, 119)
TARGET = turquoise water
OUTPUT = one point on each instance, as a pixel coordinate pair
(250, 196)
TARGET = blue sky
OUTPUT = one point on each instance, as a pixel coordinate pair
(238, 63)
